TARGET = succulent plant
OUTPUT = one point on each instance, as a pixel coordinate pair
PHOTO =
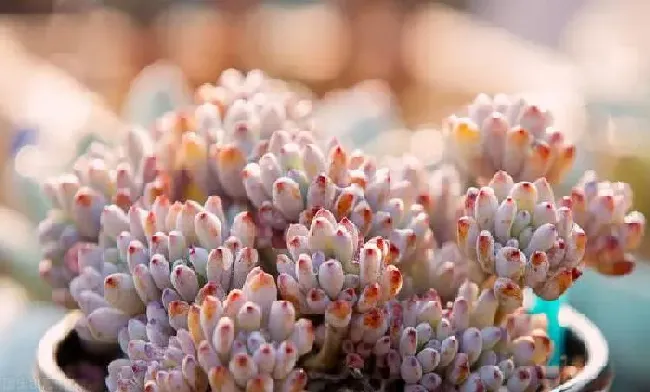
(278, 104)
(448, 269)
(246, 340)
(77, 203)
(438, 191)
(506, 133)
(188, 154)
(331, 271)
(329, 260)
(515, 231)
(458, 347)
(293, 182)
(230, 248)
(603, 209)
(169, 251)
(208, 145)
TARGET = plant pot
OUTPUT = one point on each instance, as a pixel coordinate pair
(583, 339)
(61, 352)
(622, 312)
(61, 348)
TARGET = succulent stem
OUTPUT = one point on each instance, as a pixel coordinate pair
(328, 355)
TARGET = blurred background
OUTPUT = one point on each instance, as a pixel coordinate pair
(73, 70)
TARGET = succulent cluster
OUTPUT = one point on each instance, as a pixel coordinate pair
(230, 248)
(188, 155)
(503, 133)
(516, 233)
(191, 339)
(248, 340)
(602, 208)
(293, 182)
(163, 255)
(78, 200)
(437, 191)
(456, 347)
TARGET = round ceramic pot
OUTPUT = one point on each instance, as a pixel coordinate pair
(64, 364)
(620, 306)
(583, 339)
(61, 349)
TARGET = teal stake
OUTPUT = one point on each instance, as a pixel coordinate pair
(555, 331)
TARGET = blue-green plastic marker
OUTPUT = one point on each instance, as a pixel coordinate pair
(555, 331)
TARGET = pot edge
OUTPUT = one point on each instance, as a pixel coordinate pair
(47, 373)
(595, 346)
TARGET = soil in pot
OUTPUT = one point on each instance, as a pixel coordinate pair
(64, 364)
(87, 369)
(573, 362)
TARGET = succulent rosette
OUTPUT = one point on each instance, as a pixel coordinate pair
(187, 155)
(207, 146)
(78, 199)
(434, 195)
(614, 232)
(506, 133)
(166, 253)
(246, 341)
(460, 346)
(279, 104)
(292, 182)
(330, 271)
(280, 183)
(516, 233)
(438, 191)
(325, 263)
